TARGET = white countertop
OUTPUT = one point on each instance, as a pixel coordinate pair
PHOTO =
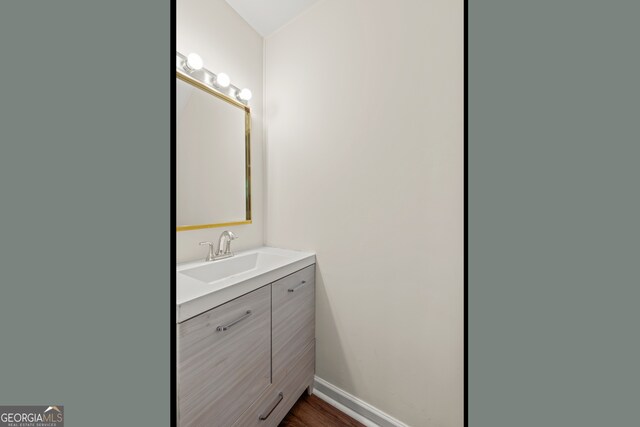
(195, 296)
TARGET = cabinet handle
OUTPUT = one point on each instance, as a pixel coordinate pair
(264, 417)
(295, 288)
(240, 319)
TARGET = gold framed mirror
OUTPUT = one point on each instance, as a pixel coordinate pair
(213, 157)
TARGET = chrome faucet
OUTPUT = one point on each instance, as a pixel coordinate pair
(224, 247)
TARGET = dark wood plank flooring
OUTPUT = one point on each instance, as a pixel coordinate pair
(311, 411)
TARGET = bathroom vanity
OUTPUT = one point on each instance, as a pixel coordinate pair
(246, 337)
(246, 321)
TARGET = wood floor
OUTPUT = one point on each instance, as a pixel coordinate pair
(311, 411)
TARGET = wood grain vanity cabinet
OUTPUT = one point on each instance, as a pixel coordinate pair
(246, 362)
(293, 319)
(224, 360)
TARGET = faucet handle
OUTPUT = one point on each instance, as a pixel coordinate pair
(211, 254)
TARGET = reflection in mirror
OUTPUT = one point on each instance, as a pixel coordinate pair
(212, 155)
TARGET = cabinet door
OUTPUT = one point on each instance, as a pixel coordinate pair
(274, 404)
(293, 318)
(224, 360)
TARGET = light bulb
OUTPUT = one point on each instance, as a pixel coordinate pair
(245, 94)
(194, 62)
(223, 80)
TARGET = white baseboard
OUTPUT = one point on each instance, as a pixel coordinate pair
(357, 409)
(342, 408)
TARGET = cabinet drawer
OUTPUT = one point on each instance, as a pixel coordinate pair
(279, 398)
(293, 318)
(224, 360)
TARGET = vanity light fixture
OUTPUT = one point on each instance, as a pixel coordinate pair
(222, 80)
(244, 95)
(193, 63)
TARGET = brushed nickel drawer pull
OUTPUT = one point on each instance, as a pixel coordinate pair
(264, 417)
(295, 288)
(226, 327)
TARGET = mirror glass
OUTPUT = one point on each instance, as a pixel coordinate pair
(212, 155)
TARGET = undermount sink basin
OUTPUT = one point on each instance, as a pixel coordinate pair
(202, 285)
(228, 267)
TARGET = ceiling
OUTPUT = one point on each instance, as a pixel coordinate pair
(266, 16)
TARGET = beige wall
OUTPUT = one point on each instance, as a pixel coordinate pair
(364, 165)
(226, 43)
